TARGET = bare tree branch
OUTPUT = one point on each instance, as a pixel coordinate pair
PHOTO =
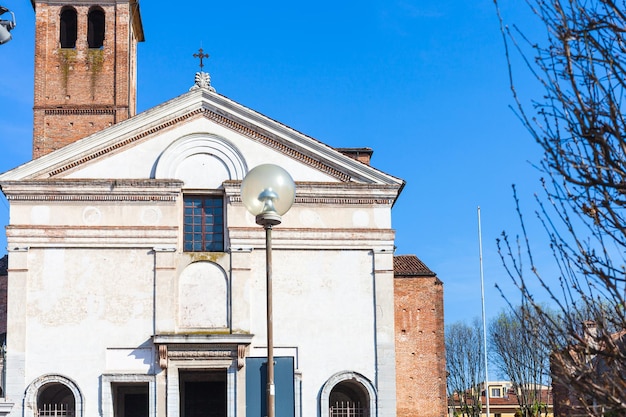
(466, 370)
(580, 123)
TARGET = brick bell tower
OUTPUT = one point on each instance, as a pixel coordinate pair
(85, 68)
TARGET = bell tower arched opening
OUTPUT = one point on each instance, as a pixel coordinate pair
(95, 27)
(68, 26)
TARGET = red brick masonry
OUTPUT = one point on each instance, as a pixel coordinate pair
(420, 345)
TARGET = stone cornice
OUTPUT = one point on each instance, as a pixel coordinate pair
(92, 236)
(315, 238)
(93, 197)
(5, 407)
(183, 340)
(80, 2)
(97, 182)
(327, 193)
(140, 190)
(97, 190)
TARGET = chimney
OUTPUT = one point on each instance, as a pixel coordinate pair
(360, 154)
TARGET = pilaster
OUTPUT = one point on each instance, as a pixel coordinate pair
(385, 332)
(15, 383)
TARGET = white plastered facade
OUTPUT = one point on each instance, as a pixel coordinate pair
(101, 292)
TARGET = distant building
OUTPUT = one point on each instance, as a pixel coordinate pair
(504, 402)
(137, 277)
(598, 362)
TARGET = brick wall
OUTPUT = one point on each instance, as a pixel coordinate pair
(80, 91)
(420, 348)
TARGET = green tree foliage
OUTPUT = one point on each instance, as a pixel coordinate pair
(579, 122)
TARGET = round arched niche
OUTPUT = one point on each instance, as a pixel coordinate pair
(54, 390)
(203, 296)
(348, 386)
(201, 160)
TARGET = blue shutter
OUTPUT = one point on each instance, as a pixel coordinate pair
(256, 381)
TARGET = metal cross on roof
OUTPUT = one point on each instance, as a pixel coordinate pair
(201, 55)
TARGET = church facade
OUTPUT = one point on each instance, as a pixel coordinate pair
(136, 276)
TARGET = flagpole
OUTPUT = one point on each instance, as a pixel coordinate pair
(482, 298)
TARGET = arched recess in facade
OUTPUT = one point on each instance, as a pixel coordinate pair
(201, 160)
(41, 384)
(352, 382)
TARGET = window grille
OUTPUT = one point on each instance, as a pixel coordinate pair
(55, 410)
(347, 409)
(203, 224)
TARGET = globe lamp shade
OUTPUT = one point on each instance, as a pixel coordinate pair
(268, 192)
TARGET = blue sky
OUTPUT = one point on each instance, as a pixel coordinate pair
(422, 82)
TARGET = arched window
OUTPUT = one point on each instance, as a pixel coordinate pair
(53, 395)
(69, 27)
(348, 394)
(95, 27)
(55, 399)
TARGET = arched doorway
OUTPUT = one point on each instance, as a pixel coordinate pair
(348, 399)
(348, 394)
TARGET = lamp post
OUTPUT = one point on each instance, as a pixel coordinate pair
(268, 192)
(6, 25)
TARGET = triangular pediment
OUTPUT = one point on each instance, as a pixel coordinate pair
(173, 138)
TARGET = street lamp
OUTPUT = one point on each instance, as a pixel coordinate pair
(268, 191)
(6, 25)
